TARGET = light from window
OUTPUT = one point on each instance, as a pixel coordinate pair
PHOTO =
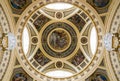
(59, 6)
(93, 40)
(25, 40)
(59, 74)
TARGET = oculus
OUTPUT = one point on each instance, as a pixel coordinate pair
(59, 15)
(84, 40)
(59, 64)
(35, 40)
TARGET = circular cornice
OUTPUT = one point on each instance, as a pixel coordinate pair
(75, 36)
(56, 47)
(92, 15)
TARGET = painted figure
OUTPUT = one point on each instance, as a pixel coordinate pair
(99, 77)
(78, 58)
(58, 39)
(18, 4)
(42, 60)
(40, 22)
(19, 77)
(100, 3)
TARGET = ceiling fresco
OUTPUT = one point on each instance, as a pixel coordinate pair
(59, 40)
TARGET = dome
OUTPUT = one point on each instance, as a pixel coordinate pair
(59, 40)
